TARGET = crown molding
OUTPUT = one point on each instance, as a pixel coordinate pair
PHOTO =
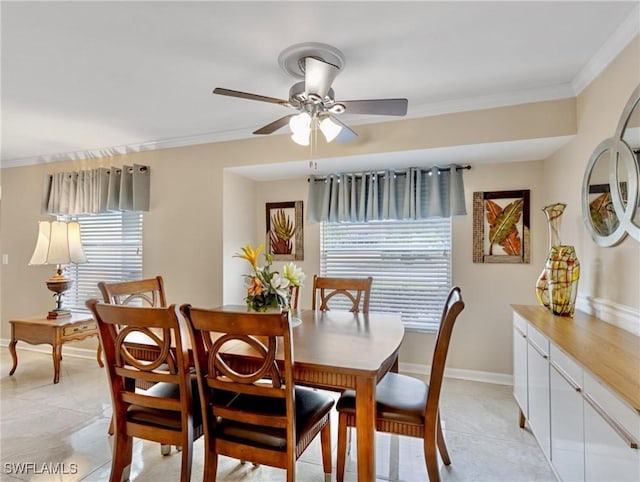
(625, 33)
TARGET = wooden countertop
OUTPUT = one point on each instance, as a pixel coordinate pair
(609, 353)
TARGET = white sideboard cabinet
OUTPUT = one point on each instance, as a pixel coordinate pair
(577, 383)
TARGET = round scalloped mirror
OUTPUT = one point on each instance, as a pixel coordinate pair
(610, 186)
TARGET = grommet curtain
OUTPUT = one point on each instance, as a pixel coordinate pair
(97, 190)
(414, 193)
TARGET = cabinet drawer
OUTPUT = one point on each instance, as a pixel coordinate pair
(79, 328)
(568, 368)
(538, 340)
(613, 407)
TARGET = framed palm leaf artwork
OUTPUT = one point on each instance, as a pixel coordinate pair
(284, 237)
(501, 227)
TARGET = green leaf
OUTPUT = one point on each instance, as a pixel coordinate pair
(506, 222)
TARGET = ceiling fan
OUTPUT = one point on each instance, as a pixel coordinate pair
(314, 99)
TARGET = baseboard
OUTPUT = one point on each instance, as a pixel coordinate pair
(68, 350)
(616, 314)
(459, 373)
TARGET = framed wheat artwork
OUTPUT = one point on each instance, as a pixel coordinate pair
(501, 227)
(284, 230)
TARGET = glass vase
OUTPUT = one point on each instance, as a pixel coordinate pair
(562, 273)
(553, 212)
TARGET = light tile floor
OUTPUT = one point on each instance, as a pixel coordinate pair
(64, 427)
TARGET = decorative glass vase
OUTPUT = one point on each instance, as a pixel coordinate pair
(553, 212)
(562, 272)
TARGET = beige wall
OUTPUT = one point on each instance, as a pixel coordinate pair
(201, 214)
(609, 273)
(483, 333)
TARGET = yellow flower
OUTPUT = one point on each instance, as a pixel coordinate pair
(250, 255)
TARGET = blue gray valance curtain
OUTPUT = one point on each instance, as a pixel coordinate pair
(414, 193)
(98, 190)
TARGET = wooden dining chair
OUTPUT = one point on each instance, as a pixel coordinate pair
(169, 412)
(356, 290)
(406, 405)
(142, 292)
(269, 420)
(294, 293)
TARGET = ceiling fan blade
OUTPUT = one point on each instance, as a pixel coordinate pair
(275, 125)
(245, 95)
(376, 106)
(318, 76)
(346, 134)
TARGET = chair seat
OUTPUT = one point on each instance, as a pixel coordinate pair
(311, 407)
(398, 397)
(166, 418)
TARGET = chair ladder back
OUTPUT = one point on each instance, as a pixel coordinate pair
(354, 289)
(150, 292)
(158, 327)
(263, 336)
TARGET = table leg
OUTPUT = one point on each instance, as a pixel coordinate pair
(365, 428)
(57, 356)
(14, 355)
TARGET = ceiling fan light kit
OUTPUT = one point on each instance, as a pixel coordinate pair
(314, 99)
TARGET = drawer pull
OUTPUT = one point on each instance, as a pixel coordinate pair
(567, 378)
(628, 439)
(538, 349)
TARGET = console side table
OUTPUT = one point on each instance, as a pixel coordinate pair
(55, 332)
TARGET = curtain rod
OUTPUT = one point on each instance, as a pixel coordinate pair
(440, 169)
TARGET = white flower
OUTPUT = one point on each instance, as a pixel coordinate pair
(294, 274)
(280, 284)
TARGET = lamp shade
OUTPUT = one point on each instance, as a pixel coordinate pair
(58, 243)
(329, 128)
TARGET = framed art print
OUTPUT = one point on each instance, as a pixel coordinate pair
(285, 230)
(501, 227)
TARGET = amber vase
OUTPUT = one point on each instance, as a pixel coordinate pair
(557, 285)
(553, 212)
(562, 272)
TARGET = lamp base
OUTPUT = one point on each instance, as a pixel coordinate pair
(58, 283)
(55, 314)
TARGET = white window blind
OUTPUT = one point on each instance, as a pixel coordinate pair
(113, 245)
(410, 262)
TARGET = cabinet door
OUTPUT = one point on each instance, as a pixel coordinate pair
(520, 370)
(567, 442)
(538, 386)
(608, 453)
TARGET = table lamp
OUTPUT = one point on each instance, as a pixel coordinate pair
(58, 243)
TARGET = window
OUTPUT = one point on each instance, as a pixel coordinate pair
(410, 262)
(113, 245)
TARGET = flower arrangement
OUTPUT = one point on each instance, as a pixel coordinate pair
(267, 288)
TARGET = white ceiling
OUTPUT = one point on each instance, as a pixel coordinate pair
(84, 79)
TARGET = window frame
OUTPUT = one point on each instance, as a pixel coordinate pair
(106, 238)
(415, 267)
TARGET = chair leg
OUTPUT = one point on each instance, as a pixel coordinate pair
(342, 446)
(431, 458)
(442, 446)
(187, 451)
(121, 462)
(210, 461)
(325, 440)
(165, 449)
(291, 468)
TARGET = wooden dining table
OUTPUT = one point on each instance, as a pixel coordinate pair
(337, 350)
